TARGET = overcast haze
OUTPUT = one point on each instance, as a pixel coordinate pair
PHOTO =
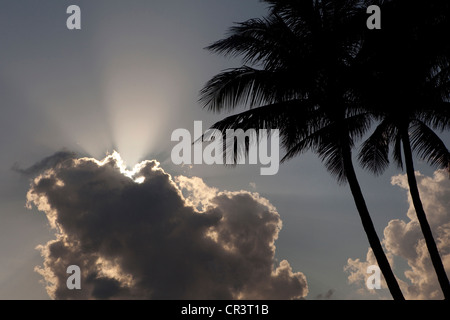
(124, 82)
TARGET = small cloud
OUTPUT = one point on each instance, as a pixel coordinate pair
(325, 296)
(252, 185)
(47, 163)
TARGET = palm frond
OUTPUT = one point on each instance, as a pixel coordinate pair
(266, 41)
(289, 117)
(436, 115)
(331, 153)
(357, 125)
(397, 151)
(246, 86)
(265, 117)
(311, 141)
(327, 139)
(327, 144)
(429, 146)
(374, 152)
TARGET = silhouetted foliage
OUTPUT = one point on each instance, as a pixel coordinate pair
(299, 74)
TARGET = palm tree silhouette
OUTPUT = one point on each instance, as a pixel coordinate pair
(297, 77)
(409, 93)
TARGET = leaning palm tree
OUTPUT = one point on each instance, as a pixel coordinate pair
(410, 96)
(296, 78)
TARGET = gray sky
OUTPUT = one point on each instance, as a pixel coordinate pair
(126, 81)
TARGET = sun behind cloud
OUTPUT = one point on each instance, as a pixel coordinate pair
(141, 234)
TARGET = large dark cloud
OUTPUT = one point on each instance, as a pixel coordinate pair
(146, 235)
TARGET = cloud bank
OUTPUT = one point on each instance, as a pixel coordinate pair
(143, 234)
(404, 239)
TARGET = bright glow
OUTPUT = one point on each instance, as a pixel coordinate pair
(112, 270)
(117, 158)
(139, 95)
(140, 180)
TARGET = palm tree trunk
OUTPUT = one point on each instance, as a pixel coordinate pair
(421, 216)
(369, 228)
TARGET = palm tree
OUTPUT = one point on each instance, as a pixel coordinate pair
(410, 96)
(296, 77)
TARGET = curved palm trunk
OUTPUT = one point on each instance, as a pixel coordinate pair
(421, 216)
(369, 228)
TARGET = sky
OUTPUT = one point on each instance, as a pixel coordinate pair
(125, 82)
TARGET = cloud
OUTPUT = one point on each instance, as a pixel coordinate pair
(325, 296)
(143, 234)
(44, 164)
(358, 276)
(404, 239)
